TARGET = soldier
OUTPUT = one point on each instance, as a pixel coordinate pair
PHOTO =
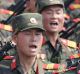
(56, 49)
(28, 37)
(5, 36)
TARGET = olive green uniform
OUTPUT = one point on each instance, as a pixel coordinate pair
(20, 23)
(60, 54)
(16, 68)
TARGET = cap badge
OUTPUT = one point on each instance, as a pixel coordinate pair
(33, 21)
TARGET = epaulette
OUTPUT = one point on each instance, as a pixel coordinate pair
(13, 63)
(68, 43)
(7, 27)
(6, 61)
(54, 68)
(74, 6)
(74, 56)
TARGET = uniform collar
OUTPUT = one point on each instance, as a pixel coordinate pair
(19, 67)
(56, 48)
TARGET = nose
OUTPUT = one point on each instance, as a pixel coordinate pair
(54, 16)
(33, 38)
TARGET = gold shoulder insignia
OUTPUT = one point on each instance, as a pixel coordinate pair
(69, 43)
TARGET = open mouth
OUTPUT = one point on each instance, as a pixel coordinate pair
(33, 46)
(53, 23)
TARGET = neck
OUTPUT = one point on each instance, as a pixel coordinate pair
(26, 62)
(53, 38)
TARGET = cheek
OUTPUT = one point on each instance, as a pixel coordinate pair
(46, 22)
(61, 23)
(61, 19)
(40, 41)
(45, 18)
(22, 42)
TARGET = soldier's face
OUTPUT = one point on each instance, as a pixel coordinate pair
(53, 18)
(29, 42)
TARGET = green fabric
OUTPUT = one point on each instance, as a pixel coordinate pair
(69, 72)
(27, 21)
(60, 58)
(45, 3)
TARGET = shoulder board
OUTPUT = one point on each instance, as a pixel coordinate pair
(74, 56)
(69, 43)
(53, 66)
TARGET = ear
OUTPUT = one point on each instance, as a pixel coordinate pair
(14, 38)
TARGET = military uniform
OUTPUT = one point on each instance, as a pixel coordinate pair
(16, 67)
(58, 59)
(22, 23)
(74, 36)
(60, 54)
(11, 65)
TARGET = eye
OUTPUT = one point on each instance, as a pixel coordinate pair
(38, 33)
(48, 12)
(27, 32)
(59, 11)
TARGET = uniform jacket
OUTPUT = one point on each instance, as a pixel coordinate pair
(16, 68)
(60, 54)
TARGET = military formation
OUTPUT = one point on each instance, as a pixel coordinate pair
(39, 37)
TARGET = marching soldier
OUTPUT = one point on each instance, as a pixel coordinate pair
(6, 36)
(56, 49)
(28, 37)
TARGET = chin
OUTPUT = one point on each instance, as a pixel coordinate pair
(33, 55)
